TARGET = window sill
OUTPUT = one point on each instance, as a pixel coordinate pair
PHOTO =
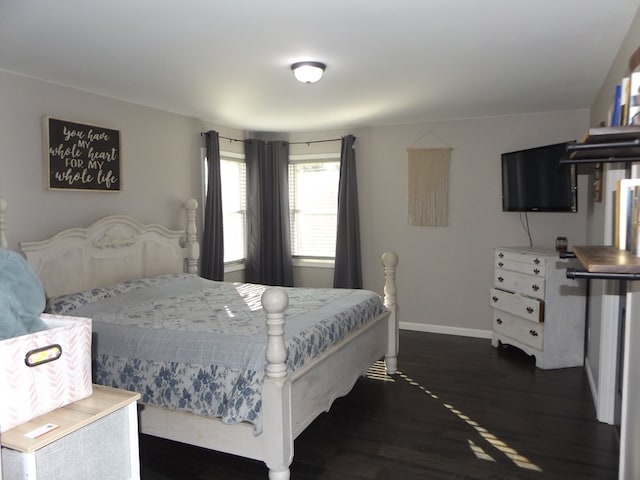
(233, 267)
(313, 262)
(297, 262)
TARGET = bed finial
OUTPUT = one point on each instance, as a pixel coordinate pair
(275, 302)
(3, 238)
(390, 262)
(191, 242)
(276, 388)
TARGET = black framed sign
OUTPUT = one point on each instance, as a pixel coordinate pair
(81, 157)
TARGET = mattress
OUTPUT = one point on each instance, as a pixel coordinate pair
(191, 344)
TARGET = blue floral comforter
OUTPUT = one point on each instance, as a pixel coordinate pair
(186, 343)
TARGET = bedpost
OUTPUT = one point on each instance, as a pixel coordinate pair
(3, 238)
(276, 389)
(191, 240)
(390, 262)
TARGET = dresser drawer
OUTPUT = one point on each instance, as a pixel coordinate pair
(530, 309)
(520, 262)
(523, 331)
(527, 267)
(519, 282)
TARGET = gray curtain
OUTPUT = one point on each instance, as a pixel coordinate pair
(268, 241)
(348, 265)
(212, 263)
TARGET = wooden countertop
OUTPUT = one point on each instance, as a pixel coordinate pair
(68, 419)
(599, 259)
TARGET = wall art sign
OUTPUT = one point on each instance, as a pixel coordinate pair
(81, 157)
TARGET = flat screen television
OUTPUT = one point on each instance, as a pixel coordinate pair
(533, 180)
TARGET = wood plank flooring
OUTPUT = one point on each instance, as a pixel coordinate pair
(459, 409)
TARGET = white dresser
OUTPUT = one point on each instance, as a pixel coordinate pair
(537, 308)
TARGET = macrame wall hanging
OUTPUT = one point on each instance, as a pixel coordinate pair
(429, 183)
(429, 187)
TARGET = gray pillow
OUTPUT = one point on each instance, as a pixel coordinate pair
(22, 298)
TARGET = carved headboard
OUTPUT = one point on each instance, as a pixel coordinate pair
(113, 249)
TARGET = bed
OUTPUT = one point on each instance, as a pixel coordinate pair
(120, 255)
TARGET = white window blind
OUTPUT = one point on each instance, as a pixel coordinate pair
(234, 205)
(313, 205)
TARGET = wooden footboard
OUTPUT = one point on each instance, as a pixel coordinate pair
(289, 404)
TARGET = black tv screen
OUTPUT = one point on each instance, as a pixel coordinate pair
(533, 180)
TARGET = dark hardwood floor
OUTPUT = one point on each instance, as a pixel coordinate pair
(458, 409)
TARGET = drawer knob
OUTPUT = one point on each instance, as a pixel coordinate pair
(500, 264)
(501, 255)
(494, 298)
(500, 279)
(499, 321)
(537, 261)
(529, 309)
(533, 333)
(536, 271)
(535, 287)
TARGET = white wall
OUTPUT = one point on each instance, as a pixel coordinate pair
(445, 273)
(160, 159)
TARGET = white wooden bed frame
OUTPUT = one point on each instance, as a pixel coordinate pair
(118, 248)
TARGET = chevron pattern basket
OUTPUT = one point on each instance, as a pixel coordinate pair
(46, 370)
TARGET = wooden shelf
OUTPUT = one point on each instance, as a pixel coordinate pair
(606, 144)
(612, 134)
(607, 260)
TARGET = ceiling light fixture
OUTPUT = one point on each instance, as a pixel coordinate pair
(308, 72)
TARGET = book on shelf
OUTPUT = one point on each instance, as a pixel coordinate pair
(624, 100)
(633, 116)
(627, 230)
(634, 99)
(633, 235)
(617, 102)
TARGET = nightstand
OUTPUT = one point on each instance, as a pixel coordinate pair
(93, 438)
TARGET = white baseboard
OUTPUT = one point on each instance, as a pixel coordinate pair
(592, 385)
(463, 332)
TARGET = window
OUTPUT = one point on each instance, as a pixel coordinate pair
(313, 204)
(234, 204)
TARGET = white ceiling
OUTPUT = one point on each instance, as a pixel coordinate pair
(388, 62)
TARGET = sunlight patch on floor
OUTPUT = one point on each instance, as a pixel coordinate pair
(509, 452)
(479, 451)
(378, 371)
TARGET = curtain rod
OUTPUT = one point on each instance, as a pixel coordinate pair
(290, 143)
